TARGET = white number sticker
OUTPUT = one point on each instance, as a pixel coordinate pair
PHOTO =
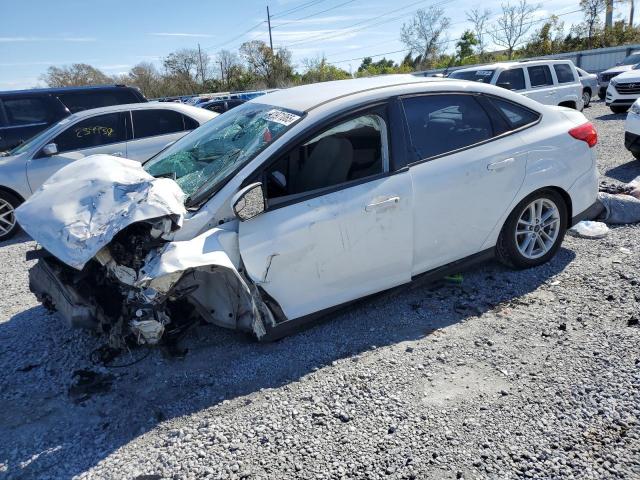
(283, 118)
(484, 73)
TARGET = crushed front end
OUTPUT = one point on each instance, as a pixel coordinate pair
(108, 260)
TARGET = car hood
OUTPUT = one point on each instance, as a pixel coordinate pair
(631, 75)
(618, 68)
(5, 160)
(84, 205)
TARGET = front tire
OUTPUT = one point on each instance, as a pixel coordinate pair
(602, 93)
(619, 109)
(533, 231)
(8, 224)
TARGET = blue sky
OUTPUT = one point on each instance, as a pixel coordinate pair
(116, 35)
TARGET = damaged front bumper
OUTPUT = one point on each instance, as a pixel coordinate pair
(109, 261)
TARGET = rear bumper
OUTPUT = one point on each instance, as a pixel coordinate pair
(47, 285)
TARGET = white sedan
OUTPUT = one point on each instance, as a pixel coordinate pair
(309, 198)
(136, 131)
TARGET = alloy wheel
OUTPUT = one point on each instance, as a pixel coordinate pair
(586, 98)
(7, 217)
(537, 228)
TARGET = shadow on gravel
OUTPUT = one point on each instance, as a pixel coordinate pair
(625, 172)
(612, 116)
(46, 434)
(19, 237)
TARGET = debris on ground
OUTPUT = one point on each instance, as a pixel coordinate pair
(87, 383)
(590, 229)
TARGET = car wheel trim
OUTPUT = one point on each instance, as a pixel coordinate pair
(7, 217)
(586, 97)
(537, 228)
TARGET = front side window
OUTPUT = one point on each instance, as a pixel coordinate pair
(152, 122)
(439, 124)
(564, 73)
(540, 75)
(512, 79)
(25, 111)
(352, 150)
(204, 159)
(482, 76)
(93, 132)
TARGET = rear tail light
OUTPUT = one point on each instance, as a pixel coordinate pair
(585, 132)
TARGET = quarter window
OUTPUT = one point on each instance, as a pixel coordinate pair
(25, 111)
(516, 115)
(351, 150)
(512, 79)
(564, 73)
(540, 75)
(152, 122)
(93, 132)
(439, 124)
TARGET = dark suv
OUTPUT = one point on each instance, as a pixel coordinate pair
(23, 113)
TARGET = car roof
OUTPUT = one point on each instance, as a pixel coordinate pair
(307, 97)
(180, 107)
(65, 89)
(507, 65)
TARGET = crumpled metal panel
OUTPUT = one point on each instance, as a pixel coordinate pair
(84, 205)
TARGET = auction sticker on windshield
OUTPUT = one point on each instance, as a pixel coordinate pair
(283, 118)
(484, 73)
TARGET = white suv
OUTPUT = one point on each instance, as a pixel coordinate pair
(623, 90)
(551, 82)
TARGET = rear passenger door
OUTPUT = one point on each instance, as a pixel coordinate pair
(101, 134)
(541, 85)
(569, 87)
(153, 130)
(465, 171)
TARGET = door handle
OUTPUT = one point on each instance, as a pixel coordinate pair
(501, 164)
(381, 203)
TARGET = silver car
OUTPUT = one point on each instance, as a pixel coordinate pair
(135, 131)
(589, 85)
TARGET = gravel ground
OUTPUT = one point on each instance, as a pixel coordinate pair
(530, 374)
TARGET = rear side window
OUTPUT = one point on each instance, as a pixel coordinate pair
(149, 123)
(80, 101)
(516, 115)
(93, 132)
(25, 111)
(512, 79)
(439, 124)
(564, 73)
(540, 75)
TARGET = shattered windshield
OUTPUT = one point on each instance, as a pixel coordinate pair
(205, 157)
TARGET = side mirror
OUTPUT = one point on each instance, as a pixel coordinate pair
(248, 202)
(50, 149)
(506, 85)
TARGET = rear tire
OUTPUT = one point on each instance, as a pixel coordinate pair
(8, 225)
(586, 97)
(619, 109)
(636, 155)
(602, 93)
(533, 231)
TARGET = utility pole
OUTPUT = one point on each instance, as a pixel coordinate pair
(608, 22)
(221, 72)
(269, 23)
(201, 66)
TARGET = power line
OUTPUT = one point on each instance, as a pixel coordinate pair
(297, 9)
(236, 37)
(350, 29)
(447, 41)
(312, 15)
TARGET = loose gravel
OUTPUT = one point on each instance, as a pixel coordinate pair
(511, 374)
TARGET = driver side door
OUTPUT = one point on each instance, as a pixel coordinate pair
(337, 224)
(101, 134)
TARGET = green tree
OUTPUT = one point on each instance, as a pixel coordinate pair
(465, 45)
(319, 70)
